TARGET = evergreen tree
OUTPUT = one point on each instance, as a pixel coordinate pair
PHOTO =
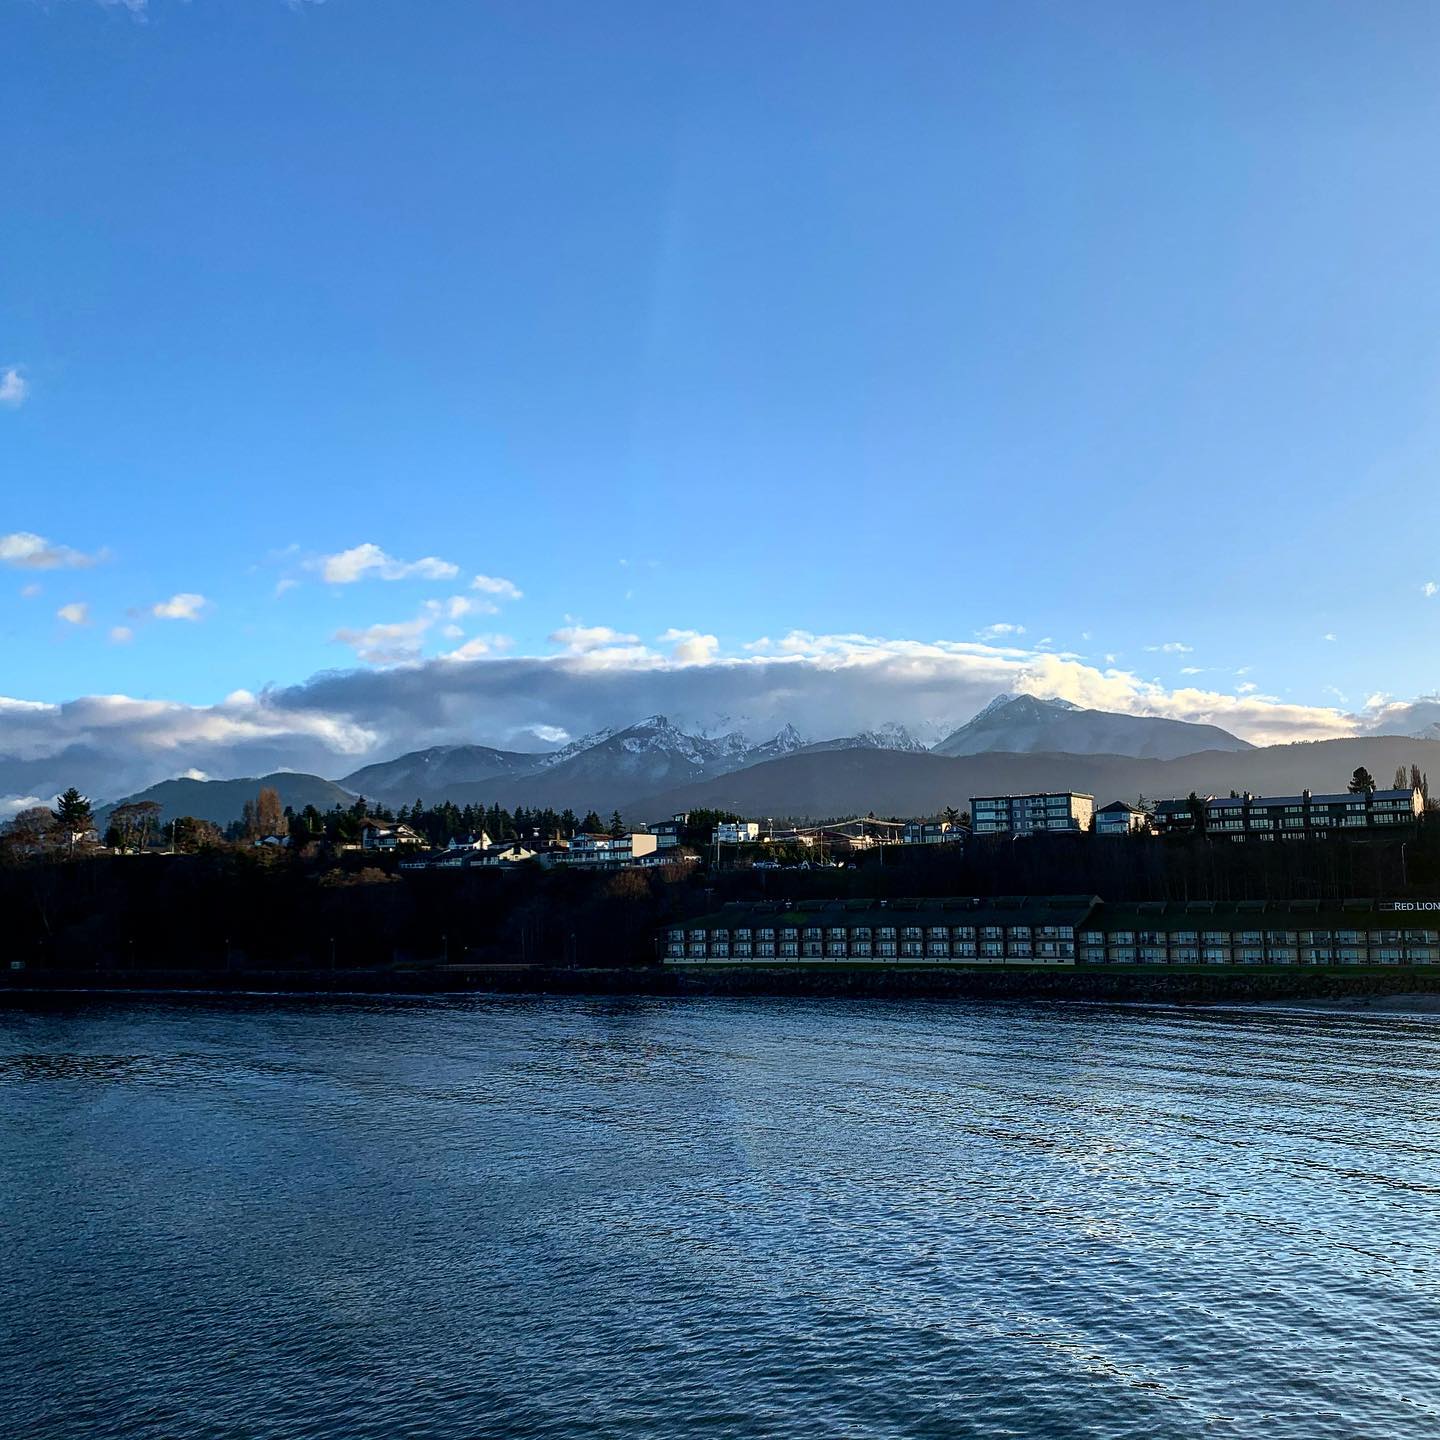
(592, 824)
(617, 825)
(1400, 777)
(73, 816)
(1362, 782)
(1198, 814)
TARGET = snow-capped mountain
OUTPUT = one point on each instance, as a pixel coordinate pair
(436, 770)
(653, 754)
(1025, 725)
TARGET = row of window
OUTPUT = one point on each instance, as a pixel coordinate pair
(1410, 936)
(1263, 955)
(883, 932)
(1058, 952)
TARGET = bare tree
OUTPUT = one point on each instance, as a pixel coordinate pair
(269, 814)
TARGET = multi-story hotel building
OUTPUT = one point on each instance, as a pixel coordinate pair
(1060, 930)
(1031, 814)
(1293, 817)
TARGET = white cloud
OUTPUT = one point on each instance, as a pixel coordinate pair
(392, 644)
(1329, 635)
(77, 613)
(825, 684)
(1430, 589)
(185, 606)
(584, 639)
(999, 631)
(459, 606)
(497, 585)
(691, 647)
(1246, 687)
(281, 586)
(365, 562)
(1191, 670)
(12, 805)
(14, 387)
(29, 592)
(27, 551)
(475, 649)
(1172, 647)
(121, 635)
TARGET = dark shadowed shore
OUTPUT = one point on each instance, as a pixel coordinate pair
(1401, 989)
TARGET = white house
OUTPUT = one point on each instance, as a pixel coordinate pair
(375, 836)
(1118, 818)
(737, 832)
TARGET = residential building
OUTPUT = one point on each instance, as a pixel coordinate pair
(1173, 817)
(668, 833)
(607, 852)
(481, 841)
(499, 855)
(1305, 816)
(1063, 810)
(737, 832)
(376, 836)
(931, 832)
(1060, 930)
(1120, 818)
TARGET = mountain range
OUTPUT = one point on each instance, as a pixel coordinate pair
(1017, 743)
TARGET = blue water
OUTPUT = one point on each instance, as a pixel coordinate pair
(516, 1217)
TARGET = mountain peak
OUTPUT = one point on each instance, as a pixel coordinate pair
(1026, 724)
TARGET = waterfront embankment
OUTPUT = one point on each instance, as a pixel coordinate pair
(1130, 985)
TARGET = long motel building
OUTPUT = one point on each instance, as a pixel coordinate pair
(1060, 930)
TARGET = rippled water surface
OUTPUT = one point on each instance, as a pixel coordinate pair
(509, 1218)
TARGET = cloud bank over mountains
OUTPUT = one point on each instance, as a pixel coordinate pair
(825, 685)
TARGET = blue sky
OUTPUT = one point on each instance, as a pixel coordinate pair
(1114, 322)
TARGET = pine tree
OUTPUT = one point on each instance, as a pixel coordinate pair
(1362, 782)
(73, 816)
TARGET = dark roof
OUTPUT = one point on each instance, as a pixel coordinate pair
(1115, 806)
(997, 910)
(1168, 915)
